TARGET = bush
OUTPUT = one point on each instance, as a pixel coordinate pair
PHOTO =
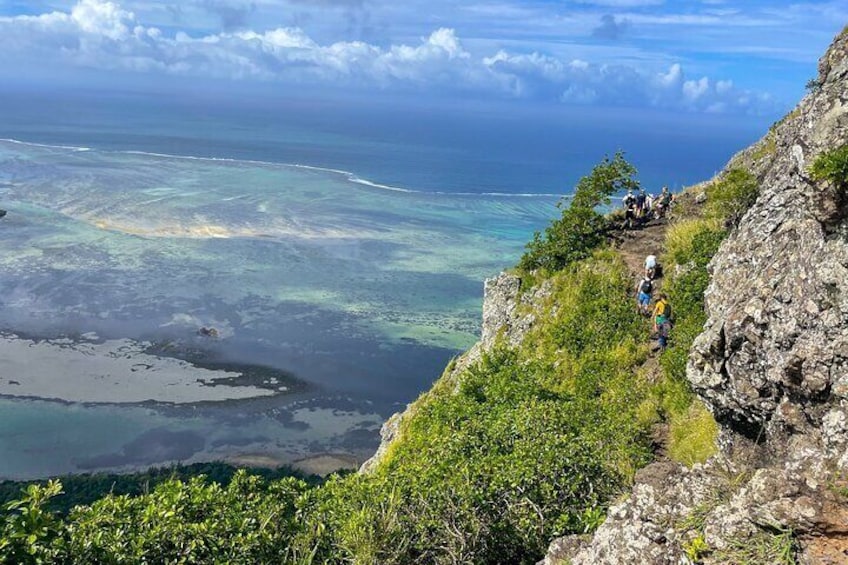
(29, 530)
(732, 195)
(680, 235)
(527, 444)
(85, 489)
(832, 167)
(581, 229)
(247, 522)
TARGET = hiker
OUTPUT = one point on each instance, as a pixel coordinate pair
(640, 204)
(663, 202)
(650, 267)
(630, 217)
(643, 295)
(662, 320)
(628, 199)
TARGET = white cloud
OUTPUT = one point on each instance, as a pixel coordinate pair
(724, 86)
(672, 78)
(100, 34)
(623, 3)
(695, 89)
(102, 18)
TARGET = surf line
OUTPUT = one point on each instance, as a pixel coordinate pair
(348, 175)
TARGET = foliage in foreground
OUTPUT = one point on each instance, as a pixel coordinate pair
(581, 229)
(87, 488)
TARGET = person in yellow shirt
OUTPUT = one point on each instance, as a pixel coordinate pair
(662, 320)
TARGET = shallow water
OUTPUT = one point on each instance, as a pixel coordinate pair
(363, 292)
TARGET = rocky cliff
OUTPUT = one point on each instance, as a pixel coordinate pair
(772, 366)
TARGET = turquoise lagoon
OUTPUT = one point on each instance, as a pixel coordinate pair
(359, 292)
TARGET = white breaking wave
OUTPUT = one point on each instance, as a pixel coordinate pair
(348, 175)
(48, 146)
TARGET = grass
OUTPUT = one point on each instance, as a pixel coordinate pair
(767, 148)
(527, 444)
(692, 434)
(680, 236)
(732, 195)
(778, 547)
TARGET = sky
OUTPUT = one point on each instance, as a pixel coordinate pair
(748, 57)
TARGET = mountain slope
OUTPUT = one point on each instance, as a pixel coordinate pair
(772, 366)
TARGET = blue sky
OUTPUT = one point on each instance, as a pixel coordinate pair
(705, 56)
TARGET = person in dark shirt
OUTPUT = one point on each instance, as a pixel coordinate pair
(641, 201)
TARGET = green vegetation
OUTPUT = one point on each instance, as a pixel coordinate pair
(494, 461)
(690, 244)
(86, 488)
(581, 229)
(767, 148)
(696, 548)
(731, 196)
(692, 434)
(30, 531)
(778, 547)
(832, 167)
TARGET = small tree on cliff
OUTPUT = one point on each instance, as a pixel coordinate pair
(832, 167)
(581, 227)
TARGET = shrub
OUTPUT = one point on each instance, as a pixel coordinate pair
(527, 444)
(730, 197)
(832, 167)
(680, 235)
(581, 228)
(29, 530)
(249, 521)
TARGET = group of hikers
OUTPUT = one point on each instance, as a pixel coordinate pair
(642, 207)
(661, 312)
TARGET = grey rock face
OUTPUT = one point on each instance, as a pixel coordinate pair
(771, 364)
(773, 354)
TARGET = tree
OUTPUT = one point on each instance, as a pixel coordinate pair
(581, 228)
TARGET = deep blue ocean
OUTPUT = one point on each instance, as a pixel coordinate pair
(342, 243)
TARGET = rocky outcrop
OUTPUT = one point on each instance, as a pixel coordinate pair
(772, 358)
(772, 366)
(508, 314)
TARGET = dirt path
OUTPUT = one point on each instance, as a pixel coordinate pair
(636, 244)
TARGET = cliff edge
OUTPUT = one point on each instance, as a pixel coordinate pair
(771, 365)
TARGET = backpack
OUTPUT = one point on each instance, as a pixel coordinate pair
(663, 309)
(646, 287)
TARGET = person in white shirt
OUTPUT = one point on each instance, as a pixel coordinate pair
(650, 266)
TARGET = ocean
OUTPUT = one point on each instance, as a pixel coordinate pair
(336, 248)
